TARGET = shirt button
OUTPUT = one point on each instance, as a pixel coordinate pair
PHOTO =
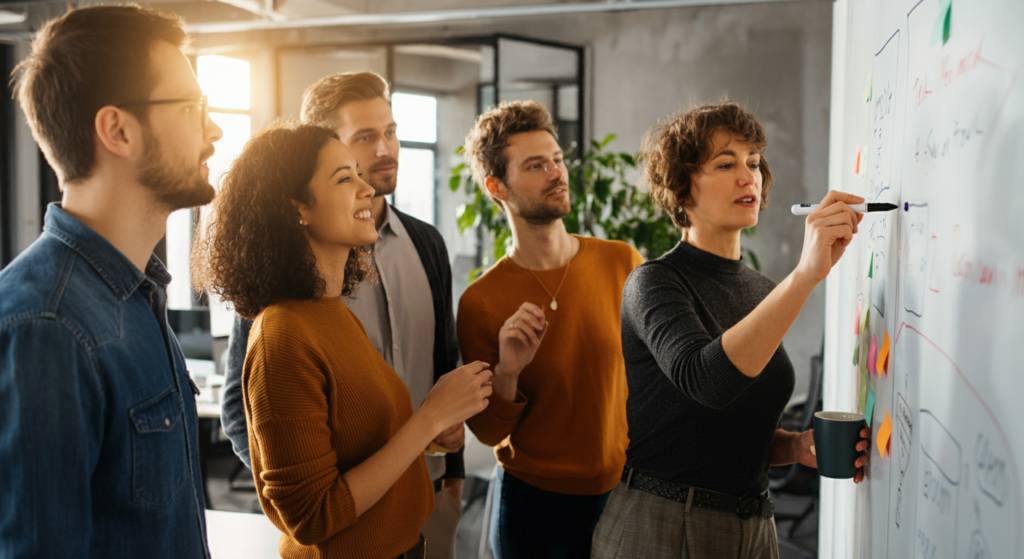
(167, 421)
(395, 347)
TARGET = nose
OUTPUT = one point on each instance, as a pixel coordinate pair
(212, 131)
(385, 147)
(365, 190)
(746, 176)
(555, 171)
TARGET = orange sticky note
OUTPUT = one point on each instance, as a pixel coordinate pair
(883, 357)
(856, 163)
(884, 432)
(856, 322)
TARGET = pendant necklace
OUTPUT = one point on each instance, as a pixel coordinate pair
(554, 296)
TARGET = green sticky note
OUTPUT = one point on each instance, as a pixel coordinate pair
(869, 406)
(870, 260)
(940, 33)
(867, 90)
(856, 353)
(863, 390)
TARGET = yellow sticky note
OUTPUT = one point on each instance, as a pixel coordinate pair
(882, 365)
(884, 432)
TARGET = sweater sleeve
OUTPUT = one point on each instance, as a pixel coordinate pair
(232, 415)
(478, 342)
(289, 416)
(658, 308)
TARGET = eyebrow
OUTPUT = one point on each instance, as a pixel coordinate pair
(541, 157)
(362, 131)
(728, 151)
(340, 169)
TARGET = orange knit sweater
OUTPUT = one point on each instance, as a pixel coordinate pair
(320, 400)
(566, 432)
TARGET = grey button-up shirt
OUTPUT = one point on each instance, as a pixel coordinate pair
(398, 314)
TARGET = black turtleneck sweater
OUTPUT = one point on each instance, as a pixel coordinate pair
(694, 418)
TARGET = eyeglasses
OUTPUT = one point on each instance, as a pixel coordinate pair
(545, 165)
(204, 106)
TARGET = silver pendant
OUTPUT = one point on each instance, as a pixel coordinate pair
(554, 305)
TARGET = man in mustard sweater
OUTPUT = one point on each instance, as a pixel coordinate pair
(547, 317)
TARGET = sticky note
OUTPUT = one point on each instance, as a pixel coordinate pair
(873, 355)
(856, 353)
(869, 406)
(940, 33)
(884, 432)
(864, 311)
(863, 390)
(870, 261)
(867, 88)
(856, 162)
(856, 322)
(882, 365)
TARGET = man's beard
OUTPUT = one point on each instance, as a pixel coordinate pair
(386, 185)
(539, 213)
(175, 186)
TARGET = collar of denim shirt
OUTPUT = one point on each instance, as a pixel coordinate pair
(112, 265)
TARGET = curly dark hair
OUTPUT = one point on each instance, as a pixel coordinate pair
(252, 251)
(673, 151)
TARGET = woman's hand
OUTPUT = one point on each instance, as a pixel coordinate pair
(458, 395)
(829, 230)
(804, 450)
(862, 460)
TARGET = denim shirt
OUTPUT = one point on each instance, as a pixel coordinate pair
(98, 448)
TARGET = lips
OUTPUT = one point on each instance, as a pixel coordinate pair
(364, 214)
(746, 200)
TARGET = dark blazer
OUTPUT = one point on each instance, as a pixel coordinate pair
(434, 256)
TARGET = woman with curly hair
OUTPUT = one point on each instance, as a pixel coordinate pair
(702, 340)
(337, 452)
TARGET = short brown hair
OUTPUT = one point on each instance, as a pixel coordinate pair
(486, 142)
(253, 251)
(321, 101)
(81, 62)
(673, 151)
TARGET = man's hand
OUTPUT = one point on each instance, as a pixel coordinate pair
(518, 341)
(453, 437)
(453, 487)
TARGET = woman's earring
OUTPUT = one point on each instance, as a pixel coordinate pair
(302, 222)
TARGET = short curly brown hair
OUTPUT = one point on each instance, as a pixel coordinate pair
(486, 142)
(673, 151)
(252, 251)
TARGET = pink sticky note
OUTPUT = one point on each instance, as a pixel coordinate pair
(856, 322)
(873, 355)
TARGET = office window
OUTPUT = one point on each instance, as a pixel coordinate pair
(226, 82)
(416, 116)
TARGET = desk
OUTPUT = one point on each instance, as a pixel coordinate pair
(241, 535)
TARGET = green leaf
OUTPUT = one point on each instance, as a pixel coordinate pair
(754, 262)
(607, 140)
(750, 231)
(466, 216)
(455, 182)
(460, 150)
(475, 273)
(502, 243)
(602, 188)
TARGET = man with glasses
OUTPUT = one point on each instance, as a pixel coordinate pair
(97, 412)
(546, 316)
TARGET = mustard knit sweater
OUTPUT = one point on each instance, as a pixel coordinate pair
(320, 400)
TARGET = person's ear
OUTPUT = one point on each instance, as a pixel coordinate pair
(496, 188)
(118, 131)
(303, 212)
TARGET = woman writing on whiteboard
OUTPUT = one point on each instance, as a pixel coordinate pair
(702, 339)
(337, 452)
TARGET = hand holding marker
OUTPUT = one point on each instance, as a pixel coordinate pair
(806, 209)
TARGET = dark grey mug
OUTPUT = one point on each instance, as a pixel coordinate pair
(836, 435)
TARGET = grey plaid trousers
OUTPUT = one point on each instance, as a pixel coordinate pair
(639, 525)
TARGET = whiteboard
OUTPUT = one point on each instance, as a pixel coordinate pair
(928, 113)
